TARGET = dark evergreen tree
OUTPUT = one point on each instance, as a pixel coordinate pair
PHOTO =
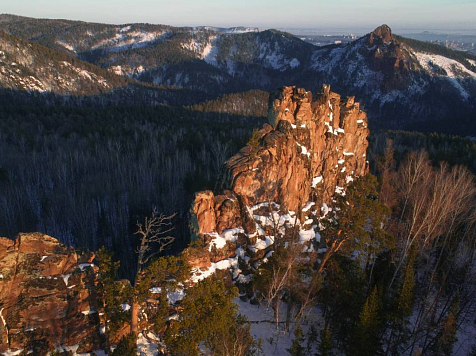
(126, 347)
(297, 347)
(325, 345)
(111, 293)
(210, 317)
(447, 336)
(366, 334)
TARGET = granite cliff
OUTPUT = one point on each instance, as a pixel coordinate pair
(286, 176)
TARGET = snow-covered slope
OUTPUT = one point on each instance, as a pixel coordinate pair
(398, 84)
(30, 67)
(449, 69)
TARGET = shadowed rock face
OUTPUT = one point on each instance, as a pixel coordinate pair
(309, 150)
(45, 294)
(385, 54)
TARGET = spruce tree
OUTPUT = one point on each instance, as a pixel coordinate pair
(325, 346)
(366, 340)
(297, 347)
(450, 328)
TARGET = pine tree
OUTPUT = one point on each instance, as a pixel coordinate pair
(406, 296)
(403, 306)
(127, 346)
(253, 142)
(110, 293)
(358, 222)
(312, 338)
(210, 317)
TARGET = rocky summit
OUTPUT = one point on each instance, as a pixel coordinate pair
(310, 150)
(45, 295)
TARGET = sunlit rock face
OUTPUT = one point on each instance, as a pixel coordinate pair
(310, 150)
(46, 294)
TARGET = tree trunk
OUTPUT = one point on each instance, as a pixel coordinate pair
(288, 315)
(135, 317)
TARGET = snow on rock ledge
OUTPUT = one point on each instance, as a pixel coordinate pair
(298, 161)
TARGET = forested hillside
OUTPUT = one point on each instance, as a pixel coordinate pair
(86, 176)
(402, 83)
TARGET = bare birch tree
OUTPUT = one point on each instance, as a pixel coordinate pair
(154, 239)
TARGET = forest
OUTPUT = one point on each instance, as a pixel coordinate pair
(86, 176)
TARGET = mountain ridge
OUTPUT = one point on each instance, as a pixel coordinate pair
(402, 83)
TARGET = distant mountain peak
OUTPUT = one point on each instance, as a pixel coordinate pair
(381, 34)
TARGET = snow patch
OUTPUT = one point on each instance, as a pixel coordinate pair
(82, 266)
(89, 312)
(66, 45)
(316, 181)
(451, 69)
(210, 52)
(308, 206)
(146, 347)
(340, 190)
(198, 275)
(304, 150)
(219, 241)
(12, 353)
(294, 63)
(66, 278)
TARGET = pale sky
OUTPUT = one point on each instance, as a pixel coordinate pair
(417, 14)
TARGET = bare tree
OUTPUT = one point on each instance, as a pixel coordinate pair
(433, 202)
(154, 239)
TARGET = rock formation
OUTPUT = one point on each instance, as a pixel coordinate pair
(45, 295)
(285, 179)
(386, 54)
(309, 151)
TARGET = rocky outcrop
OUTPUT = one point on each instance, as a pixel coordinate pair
(381, 35)
(46, 295)
(310, 150)
(387, 55)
